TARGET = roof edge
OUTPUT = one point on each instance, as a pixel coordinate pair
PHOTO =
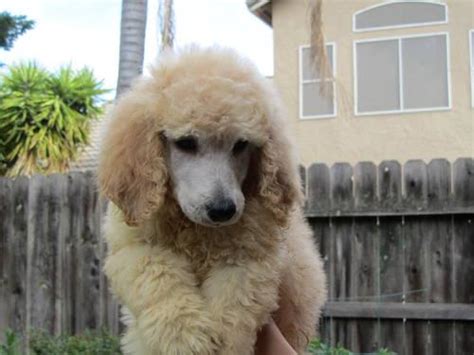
(262, 9)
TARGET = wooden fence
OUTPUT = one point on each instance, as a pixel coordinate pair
(398, 245)
(51, 256)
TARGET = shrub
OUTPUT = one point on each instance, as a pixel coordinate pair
(102, 343)
(45, 117)
(317, 347)
(11, 346)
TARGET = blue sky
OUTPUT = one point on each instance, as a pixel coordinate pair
(86, 32)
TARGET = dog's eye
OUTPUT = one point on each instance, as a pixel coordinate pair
(240, 146)
(187, 144)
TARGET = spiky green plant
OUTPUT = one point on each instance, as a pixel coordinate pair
(45, 117)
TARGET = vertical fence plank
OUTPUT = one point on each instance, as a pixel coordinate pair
(463, 225)
(365, 186)
(390, 185)
(318, 189)
(318, 193)
(6, 239)
(341, 187)
(322, 234)
(19, 257)
(342, 199)
(70, 260)
(88, 254)
(417, 273)
(439, 184)
(391, 253)
(41, 276)
(58, 221)
(109, 306)
(365, 262)
(439, 237)
(463, 179)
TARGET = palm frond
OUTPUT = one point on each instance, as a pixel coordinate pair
(45, 117)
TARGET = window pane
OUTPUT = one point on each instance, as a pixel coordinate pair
(472, 49)
(308, 72)
(399, 14)
(425, 77)
(377, 76)
(315, 104)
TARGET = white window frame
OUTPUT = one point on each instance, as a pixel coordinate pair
(417, 24)
(332, 79)
(400, 73)
(471, 65)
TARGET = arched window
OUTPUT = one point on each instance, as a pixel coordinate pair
(399, 14)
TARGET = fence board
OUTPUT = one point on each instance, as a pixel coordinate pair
(18, 256)
(365, 248)
(6, 236)
(57, 222)
(88, 260)
(417, 273)
(439, 238)
(76, 187)
(390, 185)
(439, 185)
(365, 186)
(463, 179)
(463, 229)
(391, 253)
(318, 181)
(341, 187)
(42, 251)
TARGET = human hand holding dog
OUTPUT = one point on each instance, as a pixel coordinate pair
(270, 341)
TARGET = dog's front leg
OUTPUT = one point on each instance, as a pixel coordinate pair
(241, 298)
(170, 314)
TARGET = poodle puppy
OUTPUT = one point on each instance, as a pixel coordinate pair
(206, 237)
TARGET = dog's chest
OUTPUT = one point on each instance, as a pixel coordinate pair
(207, 251)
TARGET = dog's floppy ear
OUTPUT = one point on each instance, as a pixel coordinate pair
(132, 171)
(279, 186)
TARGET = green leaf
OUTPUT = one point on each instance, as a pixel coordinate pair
(44, 117)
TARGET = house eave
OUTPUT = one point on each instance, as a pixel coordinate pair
(262, 9)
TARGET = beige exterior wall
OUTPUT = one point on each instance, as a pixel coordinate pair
(443, 134)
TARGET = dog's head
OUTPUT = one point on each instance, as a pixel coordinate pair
(207, 126)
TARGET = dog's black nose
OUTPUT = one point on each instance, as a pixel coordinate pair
(221, 210)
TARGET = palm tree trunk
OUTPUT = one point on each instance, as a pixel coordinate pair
(132, 42)
(166, 22)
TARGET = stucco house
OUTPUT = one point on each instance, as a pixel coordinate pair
(402, 78)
